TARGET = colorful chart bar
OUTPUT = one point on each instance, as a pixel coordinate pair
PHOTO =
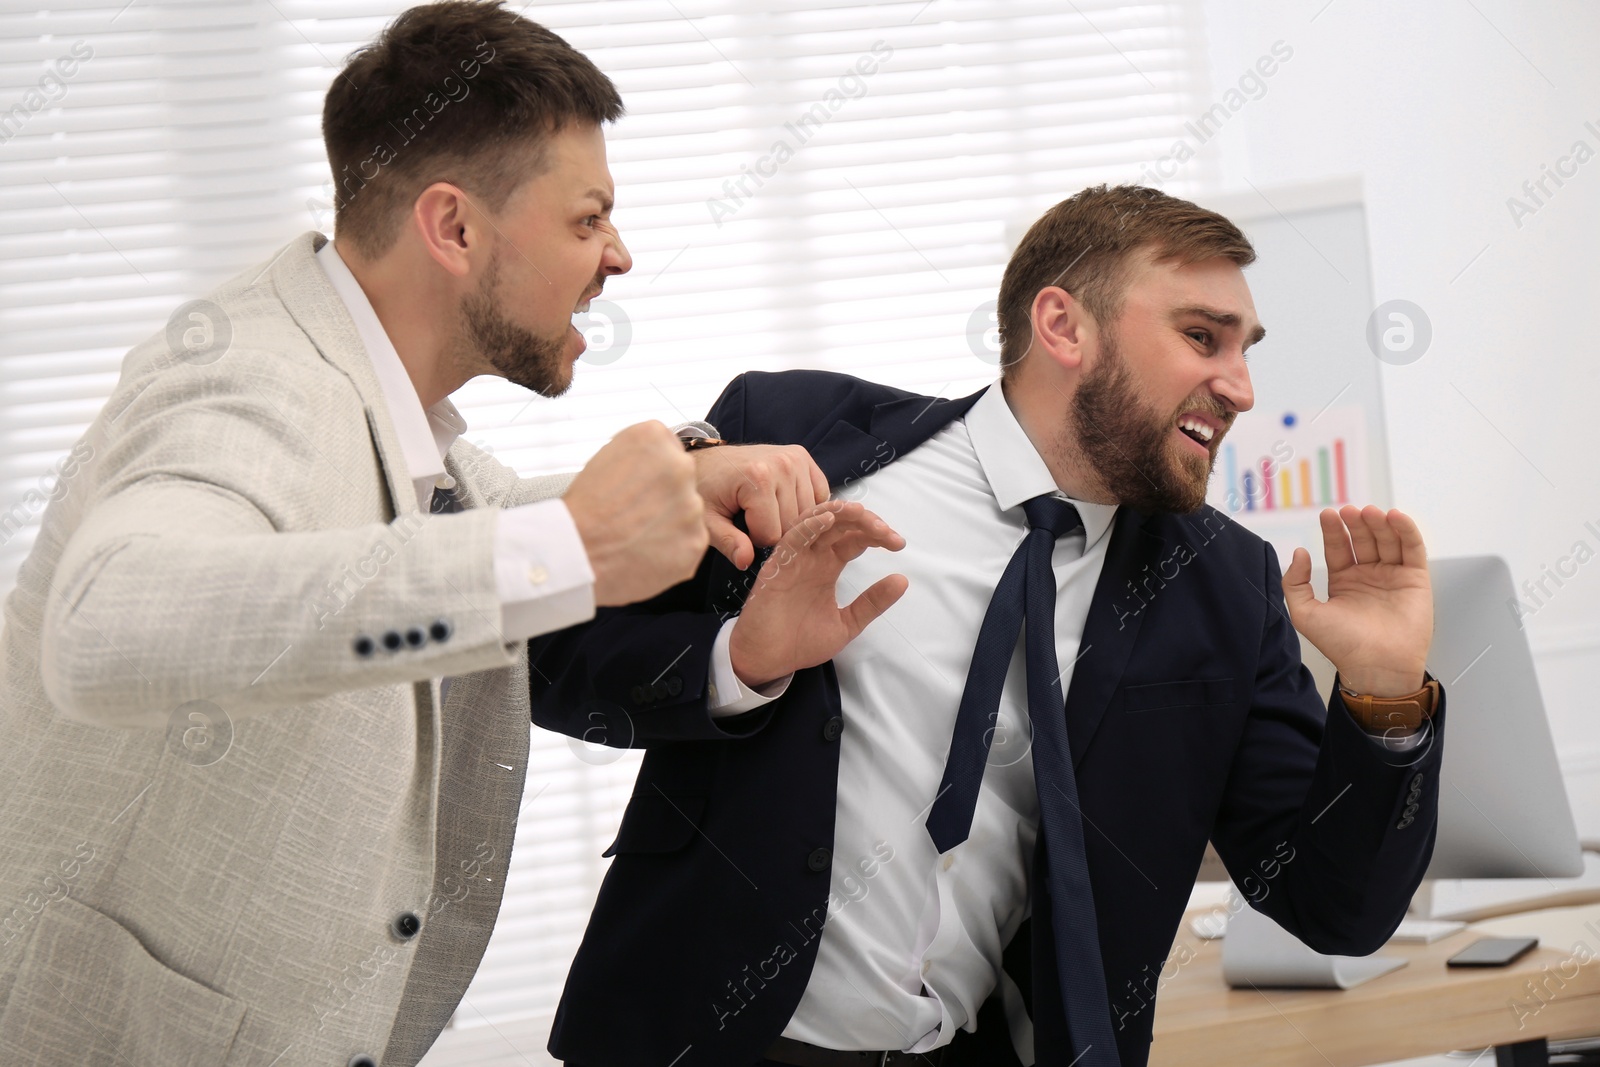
(1271, 485)
(1338, 465)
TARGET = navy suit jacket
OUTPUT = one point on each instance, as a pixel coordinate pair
(1191, 718)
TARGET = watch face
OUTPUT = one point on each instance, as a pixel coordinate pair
(692, 431)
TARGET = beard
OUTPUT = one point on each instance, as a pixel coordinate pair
(518, 355)
(1127, 442)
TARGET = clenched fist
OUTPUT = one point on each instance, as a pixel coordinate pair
(640, 517)
(773, 485)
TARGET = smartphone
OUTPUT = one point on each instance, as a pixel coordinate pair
(1493, 952)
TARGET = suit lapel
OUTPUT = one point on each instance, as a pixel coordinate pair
(314, 304)
(1108, 634)
(846, 452)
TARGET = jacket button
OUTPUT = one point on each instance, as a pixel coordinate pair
(1411, 810)
(1416, 782)
(364, 645)
(638, 694)
(440, 629)
(658, 690)
(406, 926)
(416, 637)
(361, 1059)
(1403, 823)
(820, 859)
(674, 686)
(832, 729)
(392, 640)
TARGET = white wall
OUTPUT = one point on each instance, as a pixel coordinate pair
(1444, 110)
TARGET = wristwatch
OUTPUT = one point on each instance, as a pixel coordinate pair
(697, 435)
(1377, 715)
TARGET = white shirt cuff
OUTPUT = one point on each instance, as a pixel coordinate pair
(1401, 744)
(541, 571)
(725, 694)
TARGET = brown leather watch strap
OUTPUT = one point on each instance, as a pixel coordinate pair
(1378, 715)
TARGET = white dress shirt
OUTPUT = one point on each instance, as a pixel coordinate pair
(912, 949)
(541, 568)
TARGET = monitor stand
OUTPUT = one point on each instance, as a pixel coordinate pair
(1477, 899)
(1258, 952)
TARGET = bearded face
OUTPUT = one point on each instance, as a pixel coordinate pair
(517, 354)
(1132, 446)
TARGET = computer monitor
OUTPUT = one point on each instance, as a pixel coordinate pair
(1503, 809)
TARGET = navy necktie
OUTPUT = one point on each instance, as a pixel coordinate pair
(1027, 589)
(445, 501)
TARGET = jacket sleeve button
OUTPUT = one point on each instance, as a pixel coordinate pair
(416, 637)
(392, 640)
(674, 686)
(440, 629)
(364, 645)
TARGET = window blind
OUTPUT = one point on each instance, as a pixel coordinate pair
(832, 185)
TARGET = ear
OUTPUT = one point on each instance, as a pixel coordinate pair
(450, 227)
(1063, 329)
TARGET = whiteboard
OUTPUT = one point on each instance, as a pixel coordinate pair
(1318, 418)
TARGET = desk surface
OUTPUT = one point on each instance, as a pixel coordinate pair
(1422, 1008)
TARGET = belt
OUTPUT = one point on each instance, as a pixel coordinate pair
(785, 1050)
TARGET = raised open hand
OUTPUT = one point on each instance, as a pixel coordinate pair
(1377, 622)
(792, 618)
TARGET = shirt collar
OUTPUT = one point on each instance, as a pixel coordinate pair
(425, 436)
(1014, 468)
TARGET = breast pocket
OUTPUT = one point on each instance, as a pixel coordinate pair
(1196, 694)
(658, 822)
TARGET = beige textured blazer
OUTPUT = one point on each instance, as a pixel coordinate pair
(240, 880)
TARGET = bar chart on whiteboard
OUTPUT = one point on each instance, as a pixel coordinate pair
(1315, 437)
(1291, 464)
(1276, 470)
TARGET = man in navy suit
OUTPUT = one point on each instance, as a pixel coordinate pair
(925, 841)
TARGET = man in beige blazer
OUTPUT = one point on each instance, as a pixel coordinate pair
(264, 717)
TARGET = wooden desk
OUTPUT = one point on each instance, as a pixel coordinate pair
(1421, 1009)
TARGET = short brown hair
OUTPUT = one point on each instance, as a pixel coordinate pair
(1085, 245)
(460, 91)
